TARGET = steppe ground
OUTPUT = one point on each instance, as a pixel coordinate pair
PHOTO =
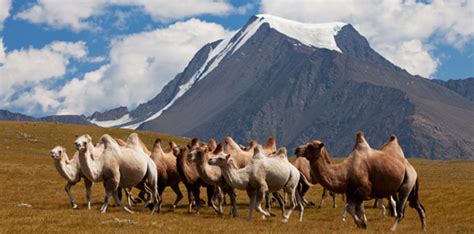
(27, 175)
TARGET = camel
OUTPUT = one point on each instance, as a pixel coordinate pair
(189, 175)
(70, 170)
(168, 174)
(213, 175)
(366, 174)
(265, 174)
(243, 157)
(118, 166)
(302, 164)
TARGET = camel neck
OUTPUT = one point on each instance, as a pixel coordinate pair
(66, 169)
(330, 176)
(237, 178)
(208, 173)
(89, 166)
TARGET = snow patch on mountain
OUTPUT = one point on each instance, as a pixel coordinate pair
(112, 123)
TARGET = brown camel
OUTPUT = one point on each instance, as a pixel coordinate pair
(189, 175)
(213, 175)
(168, 174)
(303, 165)
(366, 174)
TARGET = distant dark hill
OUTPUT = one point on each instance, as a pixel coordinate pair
(464, 87)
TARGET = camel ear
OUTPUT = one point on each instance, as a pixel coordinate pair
(321, 145)
(227, 157)
(393, 137)
(194, 141)
(176, 151)
(89, 138)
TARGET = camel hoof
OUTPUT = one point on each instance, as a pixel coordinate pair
(334, 206)
(285, 220)
(74, 205)
(264, 217)
(272, 214)
(311, 204)
(320, 206)
(343, 219)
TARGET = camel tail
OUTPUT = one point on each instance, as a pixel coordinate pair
(303, 180)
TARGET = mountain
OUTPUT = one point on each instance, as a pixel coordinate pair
(68, 119)
(464, 87)
(299, 82)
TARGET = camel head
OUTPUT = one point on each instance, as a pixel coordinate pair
(198, 154)
(310, 150)
(222, 160)
(81, 142)
(179, 151)
(57, 152)
(194, 143)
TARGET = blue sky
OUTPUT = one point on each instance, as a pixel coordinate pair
(77, 57)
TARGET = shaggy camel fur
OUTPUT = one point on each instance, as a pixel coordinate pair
(265, 174)
(70, 170)
(366, 174)
(168, 174)
(118, 167)
(213, 175)
(190, 176)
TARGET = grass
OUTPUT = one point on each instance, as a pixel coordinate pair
(28, 176)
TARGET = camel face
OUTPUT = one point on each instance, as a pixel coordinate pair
(220, 161)
(310, 150)
(81, 143)
(56, 152)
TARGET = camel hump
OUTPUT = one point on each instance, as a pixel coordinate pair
(108, 141)
(282, 152)
(361, 143)
(211, 144)
(219, 148)
(393, 138)
(194, 141)
(172, 144)
(133, 140)
(157, 144)
(271, 143)
(121, 142)
(230, 142)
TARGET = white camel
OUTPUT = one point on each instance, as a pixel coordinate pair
(263, 175)
(70, 170)
(117, 166)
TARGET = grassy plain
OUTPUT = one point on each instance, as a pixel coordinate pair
(27, 175)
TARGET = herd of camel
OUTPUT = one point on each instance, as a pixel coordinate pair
(261, 171)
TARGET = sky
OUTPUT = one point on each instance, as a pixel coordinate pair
(82, 56)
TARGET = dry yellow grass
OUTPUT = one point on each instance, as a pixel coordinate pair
(27, 175)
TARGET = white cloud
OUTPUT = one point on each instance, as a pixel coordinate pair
(4, 11)
(140, 65)
(399, 30)
(75, 14)
(2, 52)
(24, 69)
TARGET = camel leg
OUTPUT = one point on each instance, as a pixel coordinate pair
(161, 188)
(220, 200)
(333, 195)
(344, 212)
(129, 197)
(392, 206)
(233, 202)
(197, 198)
(303, 190)
(323, 196)
(210, 194)
(107, 197)
(67, 188)
(251, 194)
(190, 200)
(299, 201)
(179, 196)
(351, 208)
(291, 195)
(88, 185)
(258, 201)
(402, 199)
(281, 202)
(117, 200)
(360, 211)
(414, 202)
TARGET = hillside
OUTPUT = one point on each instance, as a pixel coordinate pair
(37, 138)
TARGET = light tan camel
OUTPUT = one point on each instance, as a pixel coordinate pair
(190, 176)
(263, 175)
(213, 175)
(70, 170)
(168, 174)
(243, 157)
(118, 166)
(366, 174)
